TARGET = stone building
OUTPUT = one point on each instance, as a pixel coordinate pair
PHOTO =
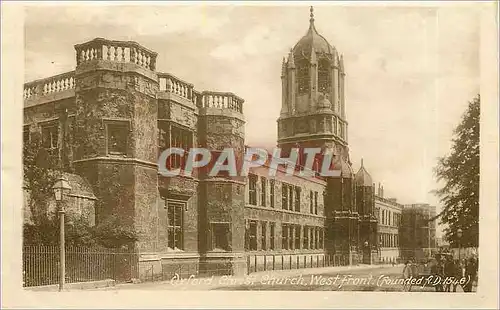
(388, 212)
(106, 123)
(418, 231)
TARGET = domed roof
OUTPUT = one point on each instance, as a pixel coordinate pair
(363, 178)
(312, 40)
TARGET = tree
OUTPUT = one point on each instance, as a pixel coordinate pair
(460, 172)
(40, 171)
(39, 176)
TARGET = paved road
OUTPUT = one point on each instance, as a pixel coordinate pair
(377, 279)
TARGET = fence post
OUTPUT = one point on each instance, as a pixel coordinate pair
(255, 262)
(265, 262)
(274, 258)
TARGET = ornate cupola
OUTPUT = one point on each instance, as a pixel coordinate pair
(365, 192)
(312, 111)
(363, 178)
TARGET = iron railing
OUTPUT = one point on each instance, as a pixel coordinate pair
(41, 265)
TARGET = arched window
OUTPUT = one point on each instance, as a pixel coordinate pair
(303, 76)
(324, 77)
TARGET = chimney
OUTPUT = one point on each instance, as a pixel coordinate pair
(382, 191)
(379, 193)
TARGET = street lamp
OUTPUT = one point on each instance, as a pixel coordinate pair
(459, 234)
(61, 188)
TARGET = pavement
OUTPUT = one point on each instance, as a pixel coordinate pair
(341, 278)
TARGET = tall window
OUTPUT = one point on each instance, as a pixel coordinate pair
(117, 138)
(284, 236)
(306, 238)
(247, 236)
(50, 139)
(290, 197)
(271, 193)
(303, 76)
(317, 238)
(175, 225)
(252, 235)
(221, 236)
(324, 77)
(297, 199)
(284, 196)
(321, 238)
(263, 191)
(271, 235)
(263, 244)
(315, 202)
(172, 136)
(297, 237)
(180, 138)
(252, 189)
(311, 202)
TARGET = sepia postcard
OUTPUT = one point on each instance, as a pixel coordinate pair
(250, 154)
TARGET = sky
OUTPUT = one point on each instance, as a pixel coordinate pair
(410, 70)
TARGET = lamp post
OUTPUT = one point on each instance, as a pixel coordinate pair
(459, 235)
(61, 188)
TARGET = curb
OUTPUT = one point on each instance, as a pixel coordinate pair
(74, 286)
(235, 281)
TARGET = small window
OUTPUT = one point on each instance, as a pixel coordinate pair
(50, 136)
(50, 139)
(117, 138)
(221, 236)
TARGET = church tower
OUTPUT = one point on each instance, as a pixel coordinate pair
(313, 115)
(313, 100)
